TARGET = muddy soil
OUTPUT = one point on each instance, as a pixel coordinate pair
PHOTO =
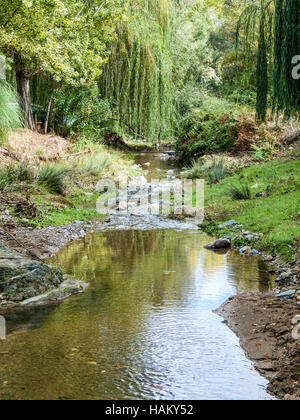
(264, 325)
(44, 242)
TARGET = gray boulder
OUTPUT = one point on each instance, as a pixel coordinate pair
(68, 288)
(22, 278)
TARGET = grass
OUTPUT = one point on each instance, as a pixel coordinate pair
(273, 208)
(239, 191)
(97, 164)
(213, 170)
(52, 177)
(12, 174)
(60, 217)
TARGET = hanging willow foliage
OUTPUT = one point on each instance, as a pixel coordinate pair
(273, 28)
(138, 76)
(287, 41)
(262, 73)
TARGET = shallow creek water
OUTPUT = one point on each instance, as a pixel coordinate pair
(144, 329)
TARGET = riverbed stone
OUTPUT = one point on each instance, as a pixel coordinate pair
(287, 295)
(67, 288)
(22, 278)
(222, 243)
(228, 224)
(246, 250)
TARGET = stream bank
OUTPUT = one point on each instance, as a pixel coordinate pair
(130, 242)
(264, 326)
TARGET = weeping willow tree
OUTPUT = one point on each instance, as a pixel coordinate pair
(271, 28)
(138, 76)
(10, 112)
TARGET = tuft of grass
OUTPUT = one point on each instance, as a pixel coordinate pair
(97, 164)
(214, 170)
(12, 174)
(4, 180)
(52, 177)
(195, 170)
(239, 191)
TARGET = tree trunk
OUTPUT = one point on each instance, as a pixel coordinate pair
(49, 107)
(23, 87)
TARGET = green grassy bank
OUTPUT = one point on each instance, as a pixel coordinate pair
(272, 209)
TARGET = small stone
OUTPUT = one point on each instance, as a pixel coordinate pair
(222, 243)
(228, 223)
(287, 295)
(246, 250)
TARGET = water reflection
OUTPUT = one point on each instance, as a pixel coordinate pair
(145, 327)
(159, 164)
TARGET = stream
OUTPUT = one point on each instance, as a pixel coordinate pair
(145, 328)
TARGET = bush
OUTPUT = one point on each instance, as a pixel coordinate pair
(239, 191)
(212, 128)
(52, 177)
(83, 111)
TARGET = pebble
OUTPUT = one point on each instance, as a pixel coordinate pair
(228, 223)
(287, 295)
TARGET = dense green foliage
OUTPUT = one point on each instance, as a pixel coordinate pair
(213, 127)
(156, 70)
(272, 28)
(138, 76)
(63, 39)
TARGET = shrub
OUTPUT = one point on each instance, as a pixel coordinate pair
(212, 128)
(52, 177)
(239, 191)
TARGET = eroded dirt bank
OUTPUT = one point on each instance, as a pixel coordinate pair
(44, 242)
(264, 325)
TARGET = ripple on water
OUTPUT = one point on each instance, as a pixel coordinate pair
(144, 329)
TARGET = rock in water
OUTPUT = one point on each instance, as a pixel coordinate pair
(246, 250)
(22, 278)
(68, 288)
(222, 243)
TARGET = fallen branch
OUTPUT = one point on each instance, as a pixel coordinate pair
(76, 154)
